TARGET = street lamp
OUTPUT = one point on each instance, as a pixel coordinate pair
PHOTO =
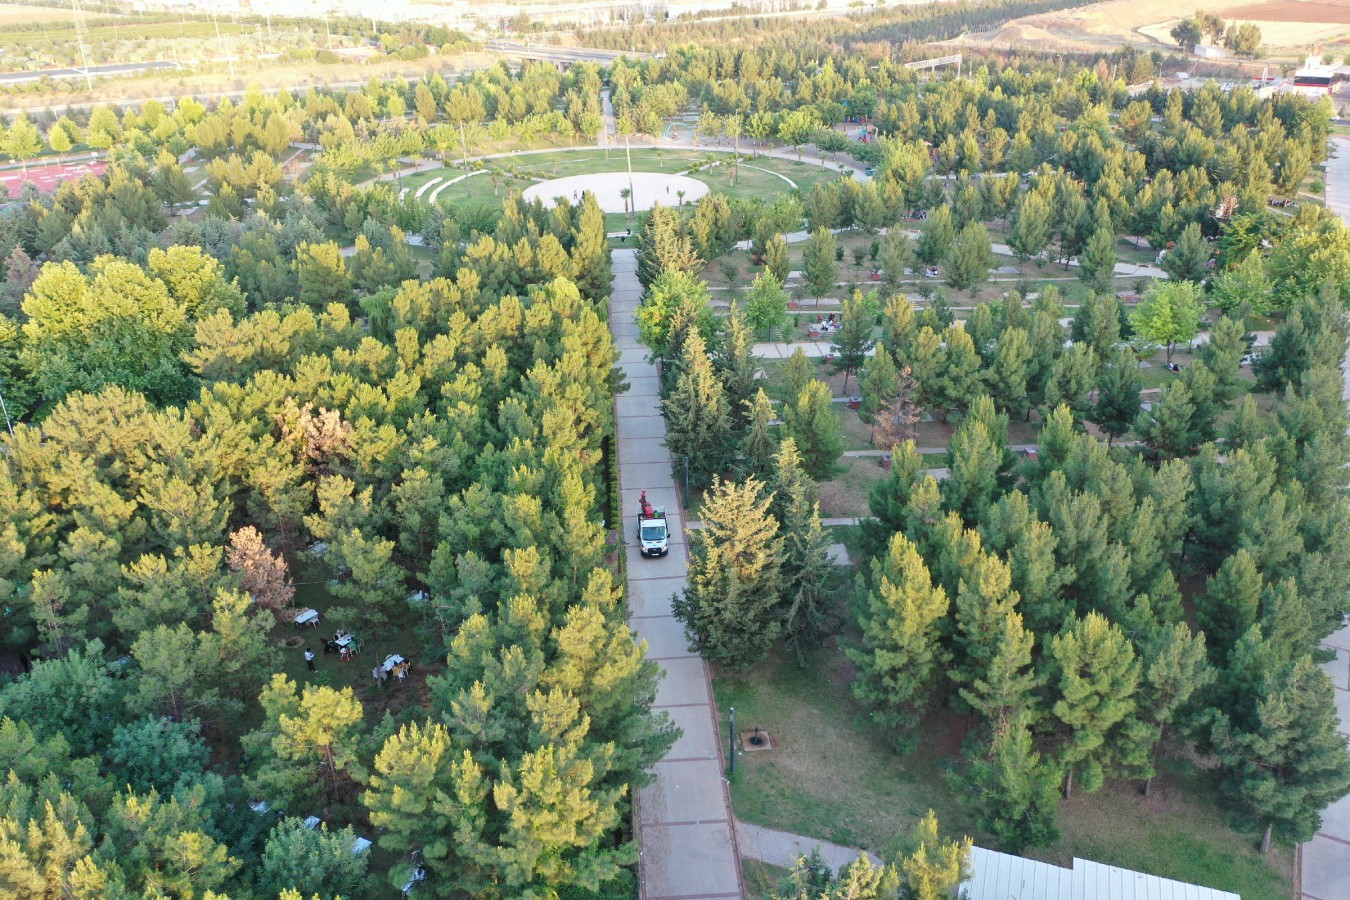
(731, 741)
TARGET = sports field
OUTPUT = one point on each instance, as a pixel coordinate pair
(47, 177)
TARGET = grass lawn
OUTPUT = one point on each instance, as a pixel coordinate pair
(834, 777)
(846, 493)
(857, 433)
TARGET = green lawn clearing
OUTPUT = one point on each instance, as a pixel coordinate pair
(834, 776)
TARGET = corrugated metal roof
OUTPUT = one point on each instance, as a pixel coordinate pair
(1095, 881)
(1001, 876)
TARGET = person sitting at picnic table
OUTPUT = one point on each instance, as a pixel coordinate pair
(401, 670)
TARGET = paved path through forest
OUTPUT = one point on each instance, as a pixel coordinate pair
(684, 817)
(1325, 860)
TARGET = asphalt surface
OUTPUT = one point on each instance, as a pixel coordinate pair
(94, 72)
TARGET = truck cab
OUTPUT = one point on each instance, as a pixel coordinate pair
(653, 535)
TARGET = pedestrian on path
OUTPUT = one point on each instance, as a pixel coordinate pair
(309, 659)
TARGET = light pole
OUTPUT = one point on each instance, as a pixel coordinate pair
(731, 741)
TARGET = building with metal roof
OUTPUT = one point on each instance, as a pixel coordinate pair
(1001, 876)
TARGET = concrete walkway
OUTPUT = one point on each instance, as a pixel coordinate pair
(778, 848)
(684, 824)
(1325, 860)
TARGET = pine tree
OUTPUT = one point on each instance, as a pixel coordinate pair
(1118, 387)
(894, 257)
(1097, 264)
(736, 364)
(796, 374)
(899, 329)
(956, 382)
(1169, 427)
(1031, 227)
(590, 251)
(818, 262)
(322, 275)
(938, 235)
(984, 600)
(1014, 791)
(776, 258)
(1097, 677)
(1187, 260)
(1002, 692)
(732, 608)
(807, 567)
(698, 420)
(759, 446)
(308, 745)
(899, 654)
(970, 258)
(1175, 670)
(853, 341)
(1072, 379)
(879, 381)
(1011, 371)
(975, 464)
(1292, 762)
(812, 423)
(934, 868)
(1230, 604)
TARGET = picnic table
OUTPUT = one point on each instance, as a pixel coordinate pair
(344, 641)
(308, 617)
(392, 660)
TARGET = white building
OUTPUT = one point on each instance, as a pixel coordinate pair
(1000, 876)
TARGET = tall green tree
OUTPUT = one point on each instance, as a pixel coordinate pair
(812, 423)
(1003, 692)
(697, 415)
(766, 303)
(1014, 790)
(1292, 762)
(818, 263)
(1097, 675)
(1188, 260)
(1169, 314)
(1118, 389)
(808, 571)
(1032, 226)
(899, 653)
(776, 258)
(970, 258)
(853, 341)
(732, 607)
(1097, 263)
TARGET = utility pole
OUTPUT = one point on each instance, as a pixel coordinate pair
(79, 41)
(221, 44)
(5, 409)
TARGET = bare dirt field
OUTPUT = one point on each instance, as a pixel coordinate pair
(1283, 23)
(12, 14)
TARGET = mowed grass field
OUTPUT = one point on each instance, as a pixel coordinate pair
(764, 178)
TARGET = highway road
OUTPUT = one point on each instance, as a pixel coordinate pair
(567, 55)
(94, 72)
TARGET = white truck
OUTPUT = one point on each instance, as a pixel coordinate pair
(653, 535)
